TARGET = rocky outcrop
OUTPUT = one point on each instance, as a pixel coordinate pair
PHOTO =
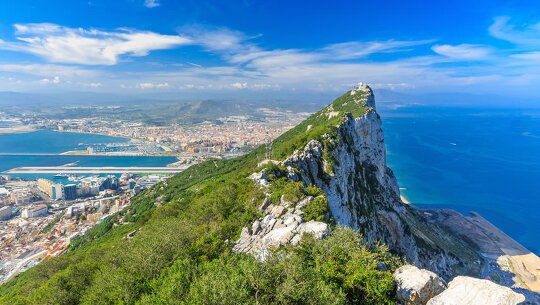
(417, 286)
(349, 166)
(363, 193)
(282, 224)
(420, 286)
(471, 291)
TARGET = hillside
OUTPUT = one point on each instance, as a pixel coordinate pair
(181, 241)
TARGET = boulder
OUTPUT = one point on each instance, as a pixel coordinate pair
(471, 291)
(417, 286)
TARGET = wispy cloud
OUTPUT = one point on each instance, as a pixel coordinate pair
(152, 85)
(87, 46)
(151, 3)
(47, 70)
(240, 62)
(54, 80)
(360, 49)
(527, 36)
(464, 51)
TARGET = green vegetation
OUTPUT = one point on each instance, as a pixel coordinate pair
(338, 270)
(317, 209)
(51, 224)
(323, 122)
(290, 190)
(179, 252)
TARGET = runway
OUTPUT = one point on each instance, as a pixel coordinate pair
(92, 170)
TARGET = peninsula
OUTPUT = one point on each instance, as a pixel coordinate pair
(316, 214)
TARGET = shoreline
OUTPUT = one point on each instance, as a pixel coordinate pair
(506, 261)
(404, 199)
(18, 129)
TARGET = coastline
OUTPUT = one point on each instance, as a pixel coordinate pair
(18, 129)
(505, 260)
(167, 151)
(404, 199)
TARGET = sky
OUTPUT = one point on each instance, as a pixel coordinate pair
(269, 48)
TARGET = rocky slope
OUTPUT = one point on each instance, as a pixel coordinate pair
(420, 287)
(348, 164)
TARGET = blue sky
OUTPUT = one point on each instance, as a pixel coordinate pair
(269, 48)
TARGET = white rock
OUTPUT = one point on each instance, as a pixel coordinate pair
(277, 211)
(260, 178)
(471, 291)
(316, 228)
(278, 237)
(264, 204)
(256, 228)
(417, 286)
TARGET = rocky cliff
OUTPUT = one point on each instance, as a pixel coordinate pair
(348, 163)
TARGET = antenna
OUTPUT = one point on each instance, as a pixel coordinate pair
(268, 153)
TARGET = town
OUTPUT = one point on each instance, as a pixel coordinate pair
(39, 219)
(227, 137)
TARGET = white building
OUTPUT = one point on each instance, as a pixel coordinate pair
(5, 213)
(37, 211)
(4, 196)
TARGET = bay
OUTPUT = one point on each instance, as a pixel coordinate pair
(45, 147)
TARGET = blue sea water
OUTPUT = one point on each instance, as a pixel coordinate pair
(483, 160)
(47, 141)
(13, 148)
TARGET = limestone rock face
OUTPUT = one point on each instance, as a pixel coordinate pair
(362, 192)
(417, 286)
(283, 224)
(471, 291)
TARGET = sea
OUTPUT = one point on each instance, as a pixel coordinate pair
(470, 159)
(42, 148)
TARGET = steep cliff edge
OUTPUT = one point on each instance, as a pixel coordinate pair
(347, 161)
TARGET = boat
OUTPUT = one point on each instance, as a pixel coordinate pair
(61, 175)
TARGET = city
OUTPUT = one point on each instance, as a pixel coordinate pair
(224, 137)
(39, 219)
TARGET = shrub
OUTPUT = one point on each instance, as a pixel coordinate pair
(317, 209)
(313, 191)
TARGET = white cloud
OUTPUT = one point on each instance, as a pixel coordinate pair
(527, 36)
(216, 39)
(359, 49)
(238, 85)
(248, 67)
(463, 51)
(47, 70)
(151, 3)
(87, 47)
(152, 85)
(54, 80)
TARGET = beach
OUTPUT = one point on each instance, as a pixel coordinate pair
(404, 199)
(505, 260)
